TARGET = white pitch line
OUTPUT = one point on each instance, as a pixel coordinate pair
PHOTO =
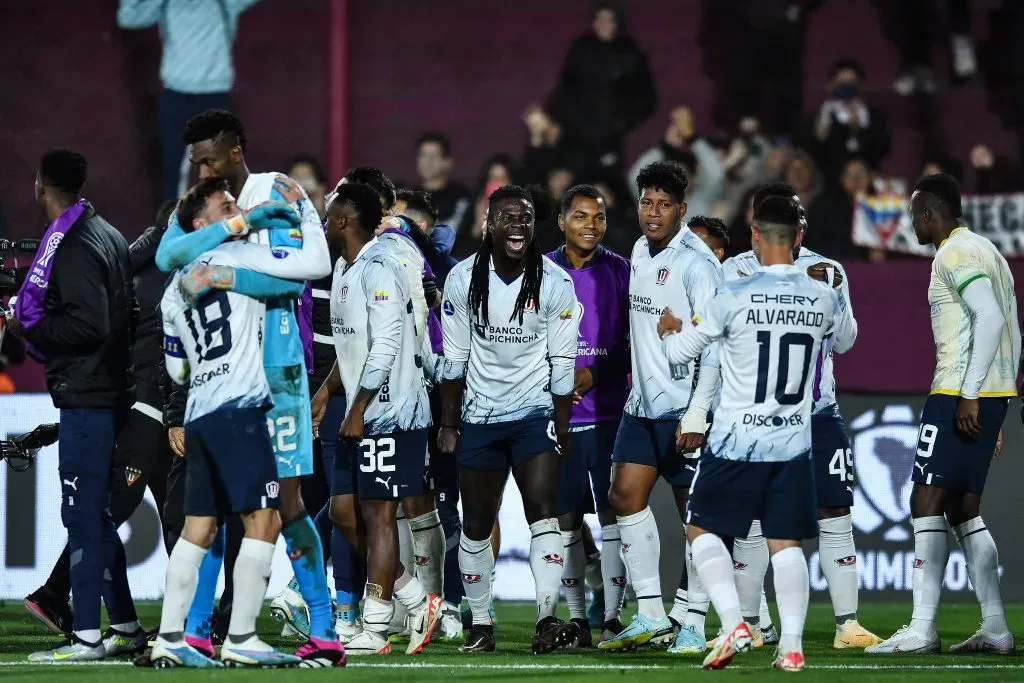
(596, 667)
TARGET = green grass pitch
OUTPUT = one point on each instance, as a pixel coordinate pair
(20, 634)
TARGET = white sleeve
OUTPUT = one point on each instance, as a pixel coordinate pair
(704, 329)
(385, 306)
(175, 358)
(702, 282)
(456, 327)
(846, 330)
(986, 330)
(563, 322)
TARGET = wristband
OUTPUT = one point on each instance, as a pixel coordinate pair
(237, 225)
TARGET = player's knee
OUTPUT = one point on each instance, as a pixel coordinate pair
(200, 531)
(476, 529)
(570, 521)
(416, 506)
(927, 501)
(623, 501)
(263, 525)
(379, 514)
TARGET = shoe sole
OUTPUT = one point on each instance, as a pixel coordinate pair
(563, 638)
(742, 645)
(489, 647)
(434, 610)
(235, 664)
(628, 644)
(288, 628)
(39, 613)
(922, 651)
(839, 644)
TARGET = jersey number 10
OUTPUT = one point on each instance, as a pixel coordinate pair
(786, 344)
(216, 333)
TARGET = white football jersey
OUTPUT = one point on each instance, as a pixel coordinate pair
(771, 325)
(824, 387)
(964, 257)
(683, 277)
(409, 255)
(217, 347)
(375, 339)
(511, 368)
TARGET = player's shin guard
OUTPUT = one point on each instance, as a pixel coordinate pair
(546, 561)
(613, 571)
(983, 568)
(750, 557)
(307, 556)
(931, 551)
(476, 563)
(696, 596)
(180, 586)
(199, 622)
(715, 569)
(252, 572)
(792, 593)
(838, 558)
(641, 550)
(572, 573)
(428, 547)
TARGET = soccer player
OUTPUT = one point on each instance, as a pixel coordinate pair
(671, 266)
(510, 337)
(384, 435)
(601, 280)
(758, 459)
(713, 232)
(215, 347)
(218, 143)
(978, 346)
(832, 457)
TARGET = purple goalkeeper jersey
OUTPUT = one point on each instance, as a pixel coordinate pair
(602, 290)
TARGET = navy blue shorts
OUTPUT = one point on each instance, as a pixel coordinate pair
(727, 495)
(833, 459)
(586, 475)
(653, 442)
(383, 467)
(504, 445)
(229, 464)
(946, 459)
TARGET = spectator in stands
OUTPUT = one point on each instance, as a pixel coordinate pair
(309, 174)
(605, 91)
(623, 224)
(746, 165)
(434, 164)
(703, 164)
(197, 69)
(496, 171)
(830, 214)
(845, 126)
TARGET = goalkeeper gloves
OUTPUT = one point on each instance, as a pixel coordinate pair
(273, 216)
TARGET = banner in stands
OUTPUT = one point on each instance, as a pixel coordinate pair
(884, 434)
(883, 222)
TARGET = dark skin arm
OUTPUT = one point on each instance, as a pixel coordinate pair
(967, 420)
(451, 407)
(328, 390)
(352, 427)
(563, 411)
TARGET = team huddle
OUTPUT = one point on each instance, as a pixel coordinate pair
(585, 375)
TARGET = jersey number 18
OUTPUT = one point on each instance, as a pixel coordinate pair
(212, 336)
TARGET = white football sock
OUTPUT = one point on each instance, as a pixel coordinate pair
(931, 551)
(715, 569)
(613, 571)
(697, 598)
(547, 562)
(766, 615)
(180, 585)
(792, 593)
(572, 574)
(983, 568)
(377, 616)
(838, 558)
(405, 551)
(428, 547)
(592, 572)
(679, 605)
(750, 557)
(476, 563)
(409, 592)
(641, 550)
(252, 572)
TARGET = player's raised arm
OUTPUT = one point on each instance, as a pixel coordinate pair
(178, 248)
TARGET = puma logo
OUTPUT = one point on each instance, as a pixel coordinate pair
(920, 467)
(73, 484)
(386, 482)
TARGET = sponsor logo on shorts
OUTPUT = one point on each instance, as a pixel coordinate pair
(420, 560)
(555, 558)
(772, 420)
(471, 578)
(273, 488)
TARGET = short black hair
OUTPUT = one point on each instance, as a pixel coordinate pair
(64, 170)
(777, 189)
(778, 218)
(364, 199)
(313, 163)
(213, 123)
(667, 176)
(440, 139)
(378, 182)
(847, 63)
(193, 202)
(945, 189)
(419, 201)
(715, 227)
(580, 191)
(510, 192)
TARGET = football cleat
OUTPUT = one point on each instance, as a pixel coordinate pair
(421, 623)
(316, 653)
(851, 634)
(254, 652)
(584, 638)
(906, 640)
(117, 643)
(450, 624)
(203, 645)
(728, 646)
(688, 642)
(368, 643)
(765, 636)
(76, 651)
(290, 609)
(610, 629)
(479, 639)
(791, 661)
(641, 631)
(1001, 644)
(165, 655)
(50, 609)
